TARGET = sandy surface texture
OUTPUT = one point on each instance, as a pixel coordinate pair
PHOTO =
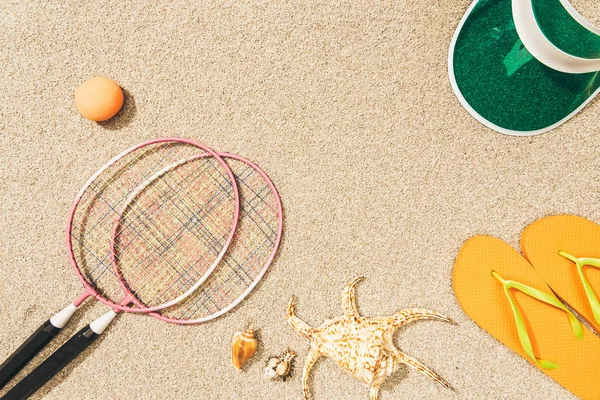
(349, 109)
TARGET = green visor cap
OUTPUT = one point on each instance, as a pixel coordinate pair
(524, 67)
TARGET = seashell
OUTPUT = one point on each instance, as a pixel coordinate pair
(243, 347)
(280, 367)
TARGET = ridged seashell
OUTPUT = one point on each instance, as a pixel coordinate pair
(243, 347)
(280, 367)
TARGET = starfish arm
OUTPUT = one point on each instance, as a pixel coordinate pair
(375, 390)
(420, 367)
(349, 298)
(299, 326)
(413, 314)
(311, 358)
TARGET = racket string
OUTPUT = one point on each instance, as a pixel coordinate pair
(165, 247)
(252, 247)
(190, 226)
(170, 244)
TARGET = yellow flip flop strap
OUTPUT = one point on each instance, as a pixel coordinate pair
(591, 295)
(520, 321)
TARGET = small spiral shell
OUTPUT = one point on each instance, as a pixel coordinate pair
(243, 347)
(280, 366)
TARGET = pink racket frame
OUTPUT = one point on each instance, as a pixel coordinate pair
(90, 291)
(266, 266)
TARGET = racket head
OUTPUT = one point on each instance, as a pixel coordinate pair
(255, 244)
(151, 210)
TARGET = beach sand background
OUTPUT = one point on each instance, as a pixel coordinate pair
(348, 107)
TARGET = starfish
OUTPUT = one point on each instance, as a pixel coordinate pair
(363, 347)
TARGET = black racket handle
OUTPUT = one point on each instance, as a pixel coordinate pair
(32, 346)
(52, 365)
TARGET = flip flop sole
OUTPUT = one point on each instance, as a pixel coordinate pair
(543, 239)
(501, 84)
(483, 299)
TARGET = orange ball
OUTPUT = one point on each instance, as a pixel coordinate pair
(98, 99)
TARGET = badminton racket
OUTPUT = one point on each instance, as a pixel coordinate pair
(169, 237)
(246, 260)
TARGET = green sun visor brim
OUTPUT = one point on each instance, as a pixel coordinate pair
(500, 82)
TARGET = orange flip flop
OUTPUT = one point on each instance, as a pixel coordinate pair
(499, 290)
(565, 251)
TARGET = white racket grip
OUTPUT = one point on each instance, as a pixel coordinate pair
(100, 324)
(60, 319)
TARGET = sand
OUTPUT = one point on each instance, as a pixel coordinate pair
(349, 109)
